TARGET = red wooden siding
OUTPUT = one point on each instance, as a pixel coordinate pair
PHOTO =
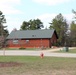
(32, 43)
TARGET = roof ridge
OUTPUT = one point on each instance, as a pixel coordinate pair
(36, 30)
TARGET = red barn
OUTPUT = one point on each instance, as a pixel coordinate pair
(32, 38)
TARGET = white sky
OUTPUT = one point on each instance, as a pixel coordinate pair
(17, 11)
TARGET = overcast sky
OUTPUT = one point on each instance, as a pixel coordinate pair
(17, 11)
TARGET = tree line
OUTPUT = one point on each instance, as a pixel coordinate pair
(66, 32)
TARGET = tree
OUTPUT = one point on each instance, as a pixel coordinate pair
(74, 13)
(31, 25)
(2, 18)
(73, 30)
(2, 28)
(3, 31)
(25, 26)
(61, 26)
(73, 33)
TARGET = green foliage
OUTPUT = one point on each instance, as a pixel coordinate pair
(74, 13)
(73, 26)
(2, 18)
(73, 33)
(3, 32)
(56, 44)
(25, 26)
(61, 26)
(6, 33)
(32, 25)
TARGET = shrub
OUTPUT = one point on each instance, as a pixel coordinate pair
(22, 48)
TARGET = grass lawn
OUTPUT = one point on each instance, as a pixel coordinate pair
(21, 49)
(36, 66)
(30, 49)
(69, 51)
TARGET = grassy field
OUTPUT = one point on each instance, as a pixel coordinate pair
(37, 66)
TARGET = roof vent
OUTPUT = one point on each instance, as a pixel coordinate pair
(33, 35)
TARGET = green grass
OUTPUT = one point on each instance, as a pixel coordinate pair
(37, 66)
(69, 51)
(26, 48)
(21, 49)
(9, 49)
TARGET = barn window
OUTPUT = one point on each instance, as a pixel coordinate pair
(15, 41)
(27, 41)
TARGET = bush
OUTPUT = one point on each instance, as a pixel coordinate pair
(22, 48)
(56, 44)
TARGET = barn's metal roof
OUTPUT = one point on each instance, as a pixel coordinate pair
(31, 34)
